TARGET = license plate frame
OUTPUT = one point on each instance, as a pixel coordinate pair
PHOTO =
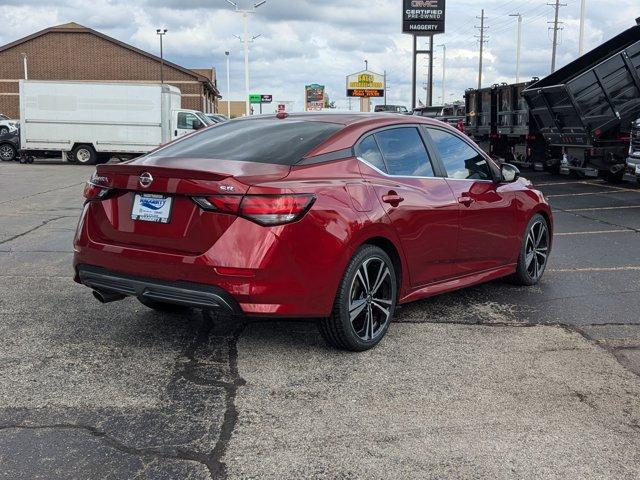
(152, 207)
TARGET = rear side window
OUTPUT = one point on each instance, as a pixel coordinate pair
(460, 160)
(404, 152)
(368, 150)
(283, 142)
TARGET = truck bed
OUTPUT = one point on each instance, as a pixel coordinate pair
(592, 98)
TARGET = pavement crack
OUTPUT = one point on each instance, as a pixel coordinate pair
(45, 222)
(604, 222)
(114, 443)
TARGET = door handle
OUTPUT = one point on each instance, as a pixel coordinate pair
(392, 198)
(465, 200)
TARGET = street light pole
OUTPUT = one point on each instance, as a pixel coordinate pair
(245, 40)
(518, 45)
(444, 66)
(161, 32)
(227, 53)
(583, 14)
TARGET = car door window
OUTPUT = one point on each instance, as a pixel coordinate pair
(368, 150)
(404, 152)
(460, 160)
(186, 120)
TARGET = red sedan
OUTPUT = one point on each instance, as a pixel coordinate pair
(333, 216)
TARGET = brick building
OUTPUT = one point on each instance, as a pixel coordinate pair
(74, 52)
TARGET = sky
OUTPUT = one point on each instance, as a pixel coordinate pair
(322, 41)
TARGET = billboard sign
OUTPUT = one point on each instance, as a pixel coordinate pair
(314, 97)
(258, 98)
(365, 84)
(423, 17)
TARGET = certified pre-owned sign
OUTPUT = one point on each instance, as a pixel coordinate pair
(423, 17)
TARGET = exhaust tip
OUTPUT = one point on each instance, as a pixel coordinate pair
(106, 297)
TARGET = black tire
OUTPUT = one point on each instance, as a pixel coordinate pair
(84, 155)
(614, 178)
(163, 307)
(370, 322)
(8, 152)
(529, 273)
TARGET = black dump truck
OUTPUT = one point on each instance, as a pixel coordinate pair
(499, 120)
(587, 107)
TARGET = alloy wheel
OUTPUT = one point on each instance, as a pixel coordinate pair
(371, 298)
(537, 249)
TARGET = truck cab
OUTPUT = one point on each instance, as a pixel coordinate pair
(185, 122)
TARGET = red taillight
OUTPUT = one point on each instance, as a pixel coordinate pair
(263, 209)
(94, 192)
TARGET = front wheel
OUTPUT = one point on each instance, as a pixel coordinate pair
(7, 153)
(534, 252)
(84, 155)
(365, 302)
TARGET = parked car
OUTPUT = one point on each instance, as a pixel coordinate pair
(10, 146)
(216, 117)
(451, 114)
(332, 216)
(391, 109)
(7, 125)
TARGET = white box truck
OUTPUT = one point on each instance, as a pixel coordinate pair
(88, 122)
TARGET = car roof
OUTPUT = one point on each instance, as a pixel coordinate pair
(347, 118)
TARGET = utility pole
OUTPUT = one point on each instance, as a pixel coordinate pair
(554, 49)
(518, 45)
(430, 84)
(227, 53)
(385, 87)
(161, 32)
(366, 64)
(482, 28)
(583, 14)
(246, 40)
(444, 66)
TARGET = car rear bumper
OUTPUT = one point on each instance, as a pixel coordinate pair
(179, 293)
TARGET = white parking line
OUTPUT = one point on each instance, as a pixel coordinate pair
(582, 194)
(593, 209)
(592, 232)
(594, 269)
(577, 182)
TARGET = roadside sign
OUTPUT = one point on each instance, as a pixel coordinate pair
(365, 84)
(255, 98)
(266, 98)
(281, 108)
(423, 17)
(314, 97)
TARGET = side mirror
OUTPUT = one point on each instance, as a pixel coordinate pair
(510, 173)
(197, 124)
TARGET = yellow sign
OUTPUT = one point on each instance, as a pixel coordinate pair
(365, 84)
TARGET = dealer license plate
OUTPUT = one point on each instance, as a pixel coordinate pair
(149, 207)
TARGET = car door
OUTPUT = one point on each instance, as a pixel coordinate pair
(186, 122)
(419, 205)
(487, 207)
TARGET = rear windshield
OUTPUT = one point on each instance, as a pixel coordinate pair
(283, 142)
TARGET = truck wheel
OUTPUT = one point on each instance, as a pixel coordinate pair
(7, 153)
(84, 155)
(611, 177)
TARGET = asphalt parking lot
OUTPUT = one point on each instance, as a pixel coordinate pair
(495, 381)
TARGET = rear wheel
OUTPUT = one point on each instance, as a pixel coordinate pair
(163, 307)
(7, 152)
(612, 177)
(84, 154)
(365, 302)
(534, 252)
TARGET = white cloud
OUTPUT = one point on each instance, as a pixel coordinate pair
(321, 41)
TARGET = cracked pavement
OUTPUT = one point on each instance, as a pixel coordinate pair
(495, 381)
